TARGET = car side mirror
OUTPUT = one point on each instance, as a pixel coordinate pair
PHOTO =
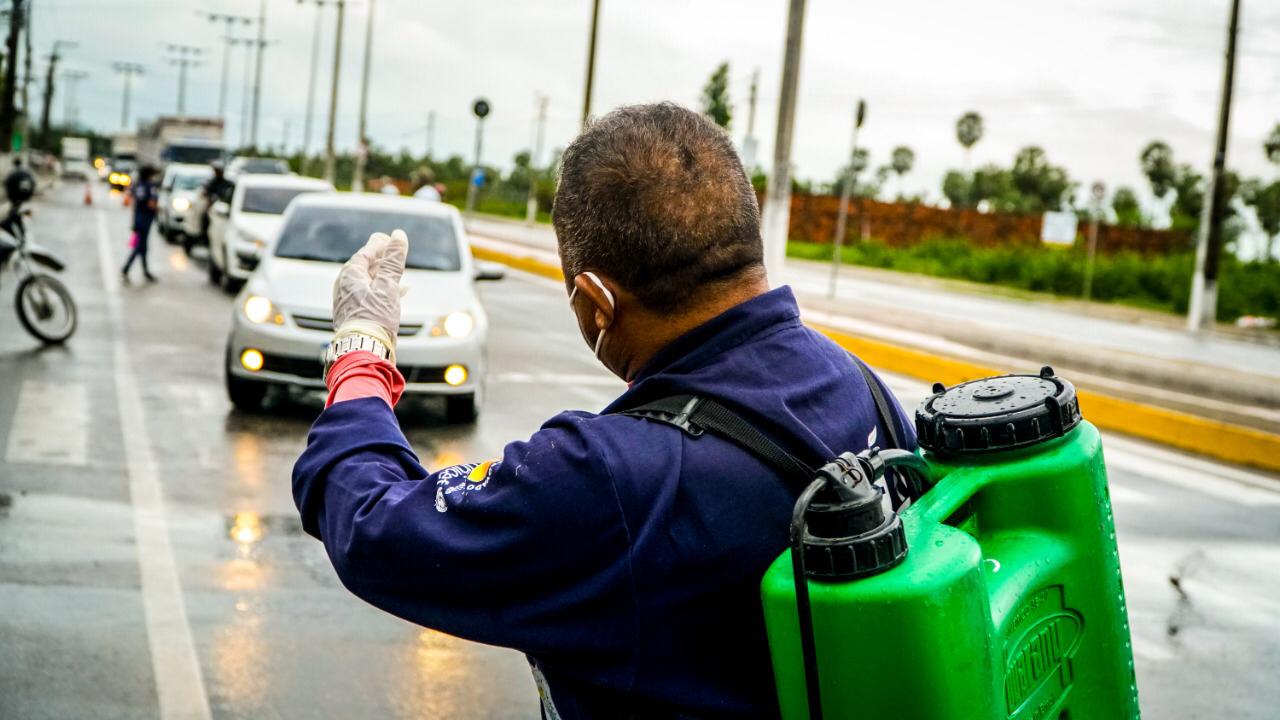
(221, 209)
(489, 271)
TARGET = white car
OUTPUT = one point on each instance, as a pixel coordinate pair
(179, 203)
(241, 224)
(282, 320)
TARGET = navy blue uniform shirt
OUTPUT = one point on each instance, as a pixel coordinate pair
(623, 556)
(144, 199)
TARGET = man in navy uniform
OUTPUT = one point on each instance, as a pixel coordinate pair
(621, 554)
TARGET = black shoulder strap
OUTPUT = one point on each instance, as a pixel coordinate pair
(695, 415)
(883, 408)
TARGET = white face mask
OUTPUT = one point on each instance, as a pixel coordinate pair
(608, 296)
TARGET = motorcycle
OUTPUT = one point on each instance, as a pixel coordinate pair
(44, 305)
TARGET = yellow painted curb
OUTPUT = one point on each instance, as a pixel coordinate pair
(1225, 441)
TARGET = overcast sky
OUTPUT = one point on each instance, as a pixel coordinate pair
(1090, 81)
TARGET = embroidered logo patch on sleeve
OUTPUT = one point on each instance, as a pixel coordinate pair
(453, 484)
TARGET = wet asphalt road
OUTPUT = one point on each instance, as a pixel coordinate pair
(124, 595)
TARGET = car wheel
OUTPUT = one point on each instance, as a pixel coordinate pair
(461, 408)
(245, 394)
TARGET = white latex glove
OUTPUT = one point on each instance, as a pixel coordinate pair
(366, 295)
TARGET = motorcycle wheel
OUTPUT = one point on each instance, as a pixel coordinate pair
(45, 308)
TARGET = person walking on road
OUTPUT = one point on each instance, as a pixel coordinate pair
(622, 554)
(145, 199)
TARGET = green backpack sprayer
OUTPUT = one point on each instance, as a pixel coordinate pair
(995, 596)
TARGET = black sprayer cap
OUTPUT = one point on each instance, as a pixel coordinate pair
(848, 531)
(998, 413)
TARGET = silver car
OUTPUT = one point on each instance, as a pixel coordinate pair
(282, 319)
(180, 203)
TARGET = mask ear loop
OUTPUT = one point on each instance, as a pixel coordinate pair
(612, 306)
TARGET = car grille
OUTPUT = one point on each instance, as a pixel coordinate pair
(314, 369)
(311, 322)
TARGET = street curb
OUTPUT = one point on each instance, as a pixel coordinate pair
(1225, 441)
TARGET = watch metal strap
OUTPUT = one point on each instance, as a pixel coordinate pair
(353, 343)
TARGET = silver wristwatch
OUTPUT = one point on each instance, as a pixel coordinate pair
(352, 343)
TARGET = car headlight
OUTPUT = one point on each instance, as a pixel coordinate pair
(181, 204)
(260, 310)
(458, 324)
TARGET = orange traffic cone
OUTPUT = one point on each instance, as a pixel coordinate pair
(126, 198)
(88, 195)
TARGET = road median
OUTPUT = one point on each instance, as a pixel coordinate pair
(1214, 438)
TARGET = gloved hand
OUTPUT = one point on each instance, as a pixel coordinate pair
(366, 295)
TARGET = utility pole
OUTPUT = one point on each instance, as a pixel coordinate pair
(749, 142)
(777, 211)
(230, 21)
(1098, 191)
(591, 61)
(284, 138)
(71, 109)
(362, 147)
(26, 90)
(431, 133)
(257, 73)
(846, 190)
(329, 159)
(1203, 310)
(128, 70)
(311, 80)
(8, 109)
(184, 56)
(531, 214)
(54, 57)
(481, 110)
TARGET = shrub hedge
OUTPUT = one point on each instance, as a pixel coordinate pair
(1160, 282)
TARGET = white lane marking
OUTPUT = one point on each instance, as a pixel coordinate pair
(1123, 495)
(179, 684)
(50, 424)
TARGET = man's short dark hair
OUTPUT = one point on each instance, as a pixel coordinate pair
(654, 196)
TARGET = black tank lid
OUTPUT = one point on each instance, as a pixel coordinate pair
(849, 533)
(997, 413)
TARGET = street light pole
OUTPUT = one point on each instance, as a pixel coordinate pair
(71, 110)
(846, 191)
(128, 70)
(329, 159)
(591, 61)
(185, 58)
(54, 56)
(362, 147)
(1099, 191)
(229, 21)
(311, 81)
(8, 109)
(777, 211)
(749, 141)
(257, 72)
(531, 211)
(1203, 310)
(431, 133)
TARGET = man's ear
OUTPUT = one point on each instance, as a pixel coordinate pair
(601, 308)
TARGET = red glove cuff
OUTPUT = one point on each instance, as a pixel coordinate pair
(362, 374)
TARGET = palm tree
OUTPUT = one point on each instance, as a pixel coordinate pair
(901, 160)
(1271, 146)
(969, 132)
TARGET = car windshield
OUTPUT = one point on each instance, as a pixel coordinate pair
(332, 234)
(269, 200)
(192, 154)
(263, 166)
(188, 182)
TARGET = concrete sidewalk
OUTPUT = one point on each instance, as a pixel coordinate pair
(1144, 356)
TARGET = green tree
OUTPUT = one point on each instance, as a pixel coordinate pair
(1157, 164)
(715, 97)
(1125, 203)
(1038, 184)
(957, 188)
(1271, 146)
(902, 160)
(1265, 201)
(969, 132)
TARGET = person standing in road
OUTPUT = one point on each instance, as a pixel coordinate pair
(145, 200)
(623, 555)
